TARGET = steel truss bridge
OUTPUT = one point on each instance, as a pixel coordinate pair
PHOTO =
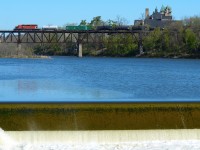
(65, 36)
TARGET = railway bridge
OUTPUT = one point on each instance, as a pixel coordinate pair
(65, 36)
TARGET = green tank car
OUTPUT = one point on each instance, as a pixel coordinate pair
(78, 28)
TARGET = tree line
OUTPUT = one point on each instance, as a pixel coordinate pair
(180, 39)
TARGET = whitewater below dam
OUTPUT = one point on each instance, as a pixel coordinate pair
(101, 140)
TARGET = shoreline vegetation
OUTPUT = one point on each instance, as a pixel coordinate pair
(180, 39)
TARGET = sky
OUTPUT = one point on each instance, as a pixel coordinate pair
(61, 12)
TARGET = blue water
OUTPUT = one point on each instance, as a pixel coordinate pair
(72, 79)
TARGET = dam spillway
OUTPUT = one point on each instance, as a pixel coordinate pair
(106, 126)
(99, 116)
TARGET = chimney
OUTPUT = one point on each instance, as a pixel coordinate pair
(146, 12)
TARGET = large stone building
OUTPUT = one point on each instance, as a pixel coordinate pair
(157, 19)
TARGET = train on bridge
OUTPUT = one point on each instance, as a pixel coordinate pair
(80, 28)
(158, 19)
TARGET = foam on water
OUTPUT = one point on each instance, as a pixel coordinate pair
(146, 145)
(101, 140)
(6, 141)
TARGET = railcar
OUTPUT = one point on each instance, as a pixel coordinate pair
(122, 28)
(50, 27)
(139, 27)
(104, 28)
(114, 28)
(26, 27)
(78, 28)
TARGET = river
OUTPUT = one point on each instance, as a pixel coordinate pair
(91, 79)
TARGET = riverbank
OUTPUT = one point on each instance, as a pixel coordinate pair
(169, 55)
(25, 56)
(99, 116)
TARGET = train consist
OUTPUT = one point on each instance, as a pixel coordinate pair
(79, 28)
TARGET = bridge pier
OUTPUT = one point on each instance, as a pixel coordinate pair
(19, 48)
(141, 49)
(80, 50)
(140, 44)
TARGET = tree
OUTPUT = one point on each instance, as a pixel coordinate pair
(83, 23)
(193, 22)
(121, 21)
(153, 41)
(165, 40)
(97, 21)
(190, 40)
(111, 22)
(120, 45)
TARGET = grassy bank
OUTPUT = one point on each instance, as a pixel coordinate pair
(18, 117)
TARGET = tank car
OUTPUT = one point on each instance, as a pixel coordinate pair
(50, 27)
(104, 28)
(122, 28)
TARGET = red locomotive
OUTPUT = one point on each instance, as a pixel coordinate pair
(26, 27)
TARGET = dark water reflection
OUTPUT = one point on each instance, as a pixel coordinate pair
(99, 79)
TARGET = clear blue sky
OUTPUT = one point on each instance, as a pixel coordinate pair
(60, 12)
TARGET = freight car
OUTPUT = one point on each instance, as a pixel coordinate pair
(50, 27)
(104, 28)
(126, 28)
(139, 27)
(78, 28)
(26, 27)
(121, 28)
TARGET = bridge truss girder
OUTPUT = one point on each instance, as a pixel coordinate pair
(59, 36)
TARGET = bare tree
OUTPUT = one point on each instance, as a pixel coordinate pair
(121, 21)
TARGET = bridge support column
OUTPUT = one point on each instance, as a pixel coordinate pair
(140, 44)
(141, 49)
(80, 50)
(19, 48)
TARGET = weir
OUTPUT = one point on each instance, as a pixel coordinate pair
(85, 126)
(99, 116)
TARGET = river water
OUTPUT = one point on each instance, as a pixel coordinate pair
(72, 79)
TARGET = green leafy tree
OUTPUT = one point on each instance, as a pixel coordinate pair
(165, 40)
(190, 40)
(153, 41)
(97, 21)
(83, 23)
(120, 45)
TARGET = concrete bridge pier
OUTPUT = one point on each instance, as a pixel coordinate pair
(141, 49)
(140, 44)
(80, 50)
(19, 48)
